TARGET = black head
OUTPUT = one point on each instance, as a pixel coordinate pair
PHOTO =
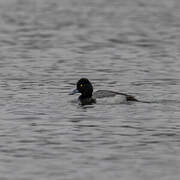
(84, 87)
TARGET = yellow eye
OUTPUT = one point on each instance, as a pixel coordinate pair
(81, 85)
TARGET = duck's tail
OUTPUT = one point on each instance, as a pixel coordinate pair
(132, 98)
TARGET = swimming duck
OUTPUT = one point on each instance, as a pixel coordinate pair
(85, 88)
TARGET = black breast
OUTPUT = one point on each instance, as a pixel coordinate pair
(86, 101)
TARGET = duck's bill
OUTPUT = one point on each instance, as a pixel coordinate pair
(75, 91)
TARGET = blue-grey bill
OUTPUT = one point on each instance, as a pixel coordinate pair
(74, 92)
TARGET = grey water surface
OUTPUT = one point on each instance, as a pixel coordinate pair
(130, 46)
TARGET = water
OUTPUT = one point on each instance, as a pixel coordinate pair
(130, 46)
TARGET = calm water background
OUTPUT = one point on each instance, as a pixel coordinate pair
(131, 46)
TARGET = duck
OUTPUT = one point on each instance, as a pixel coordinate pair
(88, 97)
